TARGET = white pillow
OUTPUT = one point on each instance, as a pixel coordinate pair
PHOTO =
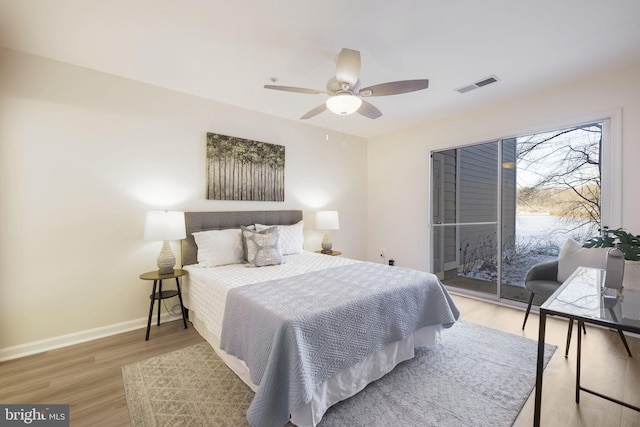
(572, 255)
(219, 247)
(291, 237)
(262, 247)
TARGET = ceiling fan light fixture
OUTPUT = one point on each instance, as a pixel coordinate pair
(343, 104)
(345, 89)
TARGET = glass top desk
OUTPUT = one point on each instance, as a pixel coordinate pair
(582, 297)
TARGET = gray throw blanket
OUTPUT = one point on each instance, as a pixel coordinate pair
(295, 333)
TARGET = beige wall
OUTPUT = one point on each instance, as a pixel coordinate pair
(85, 154)
(398, 165)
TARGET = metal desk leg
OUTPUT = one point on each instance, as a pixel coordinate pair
(578, 360)
(184, 314)
(539, 369)
(624, 340)
(569, 332)
(153, 299)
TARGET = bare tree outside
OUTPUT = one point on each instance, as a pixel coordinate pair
(558, 194)
(559, 173)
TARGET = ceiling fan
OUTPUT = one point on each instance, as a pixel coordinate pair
(345, 91)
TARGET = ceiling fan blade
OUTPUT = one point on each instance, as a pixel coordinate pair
(294, 89)
(394, 88)
(319, 109)
(369, 110)
(348, 67)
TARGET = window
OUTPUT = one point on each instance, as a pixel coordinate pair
(499, 207)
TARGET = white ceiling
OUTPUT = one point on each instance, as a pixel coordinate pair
(227, 51)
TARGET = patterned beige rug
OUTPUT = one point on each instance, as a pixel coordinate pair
(478, 376)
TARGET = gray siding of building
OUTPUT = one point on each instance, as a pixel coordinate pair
(477, 201)
(470, 195)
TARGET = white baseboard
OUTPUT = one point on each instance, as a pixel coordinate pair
(34, 347)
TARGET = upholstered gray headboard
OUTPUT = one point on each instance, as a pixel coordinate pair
(202, 221)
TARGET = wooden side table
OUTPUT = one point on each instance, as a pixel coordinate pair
(332, 253)
(160, 294)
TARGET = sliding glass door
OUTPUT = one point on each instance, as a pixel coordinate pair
(499, 207)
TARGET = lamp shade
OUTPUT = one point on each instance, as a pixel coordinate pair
(164, 225)
(343, 104)
(327, 220)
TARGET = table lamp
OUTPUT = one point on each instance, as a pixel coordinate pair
(327, 220)
(165, 226)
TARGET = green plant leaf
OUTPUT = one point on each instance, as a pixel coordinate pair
(628, 243)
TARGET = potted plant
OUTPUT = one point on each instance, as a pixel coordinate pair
(629, 244)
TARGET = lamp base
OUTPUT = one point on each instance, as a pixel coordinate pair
(327, 244)
(166, 259)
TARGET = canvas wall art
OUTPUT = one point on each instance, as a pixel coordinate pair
(243, 169)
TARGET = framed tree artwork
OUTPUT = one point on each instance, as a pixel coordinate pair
(243, 169)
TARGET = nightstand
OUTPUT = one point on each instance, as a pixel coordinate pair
(332, 253)
(160, 294)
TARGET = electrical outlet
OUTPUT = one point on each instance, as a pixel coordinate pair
(381, 252)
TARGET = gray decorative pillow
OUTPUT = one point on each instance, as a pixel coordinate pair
(262, 247)
(244, 241)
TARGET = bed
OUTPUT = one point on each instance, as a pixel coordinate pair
(302, 330)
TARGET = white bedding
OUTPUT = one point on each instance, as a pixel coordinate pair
(204, 294)
(206, 289)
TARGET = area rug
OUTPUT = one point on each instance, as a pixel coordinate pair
(476, 376)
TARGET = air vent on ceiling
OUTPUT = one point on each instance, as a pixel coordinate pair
(476, 85)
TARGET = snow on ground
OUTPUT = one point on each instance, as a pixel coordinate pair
(538, 239)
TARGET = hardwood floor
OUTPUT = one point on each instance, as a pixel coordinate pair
(88, 376)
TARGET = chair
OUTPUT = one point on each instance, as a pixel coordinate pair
(542, 280)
